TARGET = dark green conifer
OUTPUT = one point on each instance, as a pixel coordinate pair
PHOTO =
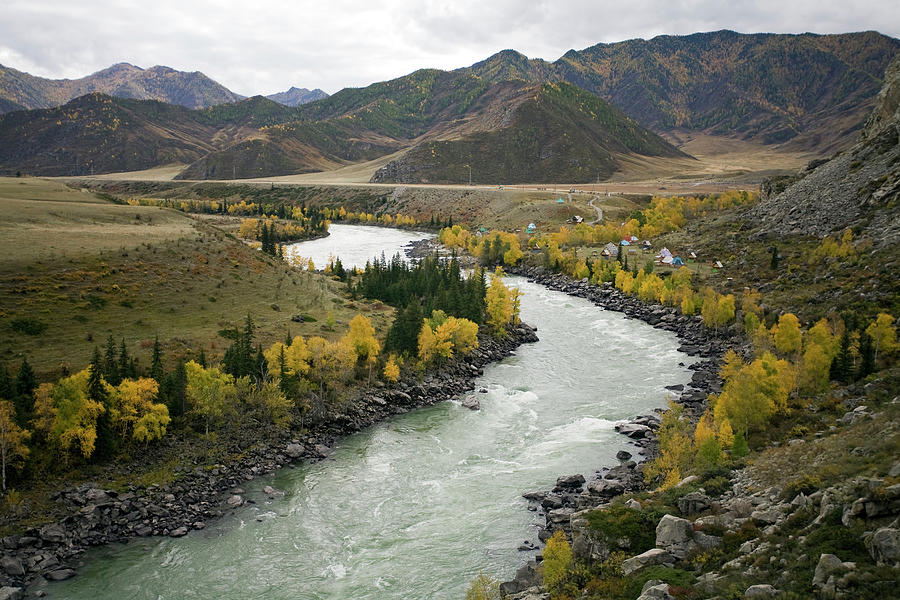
(156, 367)
(24, 400)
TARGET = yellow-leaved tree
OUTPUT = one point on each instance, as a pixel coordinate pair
(210, 393)
(501, 304)
(362, 338)
(883, 334)
(13, 450)
(133, 410)
(67, 416)
(294, 359)
(675, 451)
(558, 560)
(755, 392)
(787, 335)
(391, 370)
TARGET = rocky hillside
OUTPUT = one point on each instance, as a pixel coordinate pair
(297, 96)
(811, 90)
(859, 188)
(122, 80)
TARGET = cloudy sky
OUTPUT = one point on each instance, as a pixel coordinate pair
(266, 46)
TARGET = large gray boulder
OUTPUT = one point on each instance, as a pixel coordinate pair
(693, 503)
(654, 590)
(652, 557)
(884, 546)
(675, 535)
(294, 450)
(12, 565)
(761, 590)
(11, 593)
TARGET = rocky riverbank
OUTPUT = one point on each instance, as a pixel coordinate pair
(201, 494)
(565, 506)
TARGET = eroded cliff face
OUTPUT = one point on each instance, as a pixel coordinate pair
(860, 187)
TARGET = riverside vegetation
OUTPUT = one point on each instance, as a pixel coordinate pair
(733, 517)
(129, 417)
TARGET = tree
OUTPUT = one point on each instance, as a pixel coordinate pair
(72, 414)
(210, 393)
(105, 443)
(12, 438)
(134, 411)
(866, 355)
(773, 261)
(403, 334)
(842, 365)
(110, 366)
(787, 335)
(175, 390)
(558, 560)
(25, 384)
(126, 365)
(391, 370)
(675, 451)
(156, 367)
(883, 334)
(362, 338)
(7, 388)
(483, 587)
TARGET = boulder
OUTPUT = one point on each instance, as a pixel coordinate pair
(693, 503)
(652, 557)
(471, 402)
(675, 535)
(587, 544)
(60, 574)
(12, 565)
(272, 492)
(294, 450)
(623, 455)
(53, 533)
(527, 576)
(572, 482)
(179, 532)
(234, 501)
(605, 487)
(11, 593)
(655, 590)
(884, 546)
(633, 430)
(761, 590)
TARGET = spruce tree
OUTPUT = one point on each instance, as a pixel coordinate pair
(866, 355)
(7, 390)
(105, 444)
(110, 365)
(126, 366)
(156, 368)
(176, 390)
(842, 365)
(24, 401)
(201, 360)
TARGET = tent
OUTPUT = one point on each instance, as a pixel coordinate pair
(677, 262)
(531, 228)
(610, 249)
(664, 253)
(624, 243)
(560, 200)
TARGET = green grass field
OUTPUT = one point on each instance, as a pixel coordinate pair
(76, 269)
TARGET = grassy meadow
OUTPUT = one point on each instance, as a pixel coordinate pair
(76, 269)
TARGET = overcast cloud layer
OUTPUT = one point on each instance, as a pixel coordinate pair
(265, 46)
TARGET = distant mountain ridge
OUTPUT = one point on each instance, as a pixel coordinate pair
(122, 80)
(297, 96)
(509, 118)
(812, 90)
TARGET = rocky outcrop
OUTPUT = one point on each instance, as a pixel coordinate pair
(859, 187)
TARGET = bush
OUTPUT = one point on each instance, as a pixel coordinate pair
(674, 577)
(28, 326)
(617, 522)
(807, 484)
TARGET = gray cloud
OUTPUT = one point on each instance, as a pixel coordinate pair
(267, 46)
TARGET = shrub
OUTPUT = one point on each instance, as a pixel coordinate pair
(807, 484)
(28, 326)
(617, 522)
(674, 577)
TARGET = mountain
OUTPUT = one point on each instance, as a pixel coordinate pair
(100, 134)
(859, 189)
(297, 96)
(548, 132)
(193, 90)
(813, 91)
(507, 131)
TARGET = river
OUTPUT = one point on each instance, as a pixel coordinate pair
(416, 506)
